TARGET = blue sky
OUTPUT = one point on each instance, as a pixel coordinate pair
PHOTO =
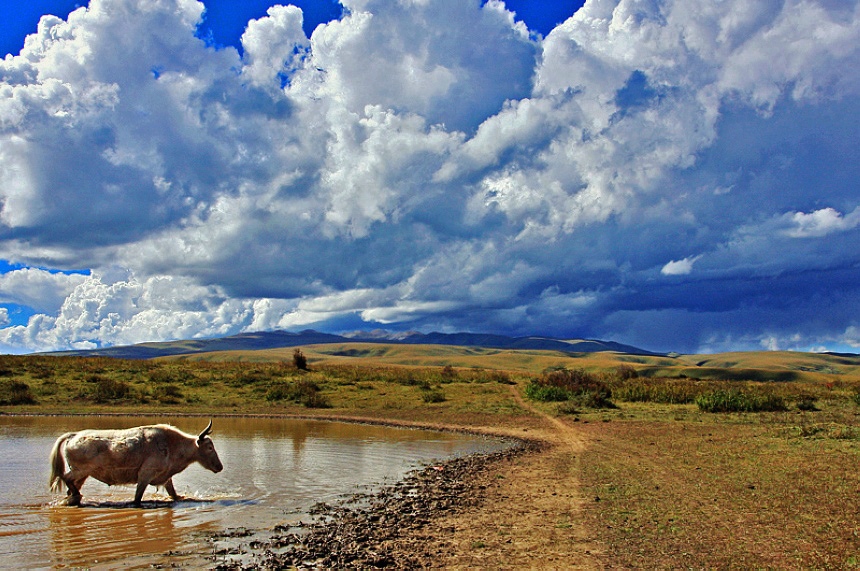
(681, 176)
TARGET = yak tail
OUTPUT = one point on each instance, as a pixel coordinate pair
(58, 466)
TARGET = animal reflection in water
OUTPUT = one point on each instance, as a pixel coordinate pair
(145, 455)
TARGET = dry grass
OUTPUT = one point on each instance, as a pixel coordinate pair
(742, 492)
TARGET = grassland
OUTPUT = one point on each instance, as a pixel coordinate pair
(649, 481)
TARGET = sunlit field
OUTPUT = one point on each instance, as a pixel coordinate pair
(719, 461)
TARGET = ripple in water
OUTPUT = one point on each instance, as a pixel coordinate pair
(274, 471)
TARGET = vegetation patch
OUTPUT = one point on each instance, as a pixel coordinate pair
(576, 385)
(433, 396)
(304, 392)
(735, 400)
(659, 390)
(106, 389)
(14, 392)
(167, 394)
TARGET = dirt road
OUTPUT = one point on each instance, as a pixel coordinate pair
(530, 518)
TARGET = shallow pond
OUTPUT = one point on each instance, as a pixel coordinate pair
(274, 471)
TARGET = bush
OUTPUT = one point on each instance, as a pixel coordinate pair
(571, 384)
(279, 392)
(15, 393)
(167, 394)
(547, 393)
(734, 400)
(448, 372)
(433, 395)
(807, 403)
(501, 377)
(299, 360)
(626, 372)
(303, 392)
(106, 389)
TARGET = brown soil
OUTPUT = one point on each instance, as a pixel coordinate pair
(531, 516)
(516, 509)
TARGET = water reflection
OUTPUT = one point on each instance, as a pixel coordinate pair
(90, 535)
(274, 470)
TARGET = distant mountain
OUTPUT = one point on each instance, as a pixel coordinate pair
(278, 339)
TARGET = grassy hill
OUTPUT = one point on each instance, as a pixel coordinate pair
(753, 366)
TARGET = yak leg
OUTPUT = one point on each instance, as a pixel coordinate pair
(138, 494)
(168, 485)
(73, 481)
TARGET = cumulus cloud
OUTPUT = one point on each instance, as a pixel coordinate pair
(97, 312)
(40, 290)
(433, 165)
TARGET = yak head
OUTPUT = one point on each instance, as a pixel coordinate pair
(206, 454)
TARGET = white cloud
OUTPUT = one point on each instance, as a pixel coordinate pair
(820, 223)
(97, 312)
(38, 289)
(679, 267)
(429, 162)
(274, 45)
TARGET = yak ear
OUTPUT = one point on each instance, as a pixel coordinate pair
(206, 432)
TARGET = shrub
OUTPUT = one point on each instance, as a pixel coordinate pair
(15, 392)
(734, 400)
(546, 393)
(278, 392)
(807, 403)
(299, 360)
(501, 377)
(167, 394)
(433, 395)
(625, 372)
(571, 384)
(302, 392)
(449, 374)
(106, 389)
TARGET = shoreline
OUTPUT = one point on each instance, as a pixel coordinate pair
(378, 530)
(365, 530)
(373, 421)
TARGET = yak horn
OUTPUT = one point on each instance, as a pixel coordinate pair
(205, 432)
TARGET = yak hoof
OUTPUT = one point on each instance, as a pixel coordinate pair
(72, 501)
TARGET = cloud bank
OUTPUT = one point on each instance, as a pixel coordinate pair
(670, 174)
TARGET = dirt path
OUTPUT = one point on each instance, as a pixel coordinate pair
(531, 517)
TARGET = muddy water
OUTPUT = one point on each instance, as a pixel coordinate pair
(274, 471)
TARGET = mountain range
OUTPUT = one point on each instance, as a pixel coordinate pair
(280, 339)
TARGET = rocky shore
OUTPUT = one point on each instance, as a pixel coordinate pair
(379, 530)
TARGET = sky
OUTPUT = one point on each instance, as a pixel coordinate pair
(678, 175)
